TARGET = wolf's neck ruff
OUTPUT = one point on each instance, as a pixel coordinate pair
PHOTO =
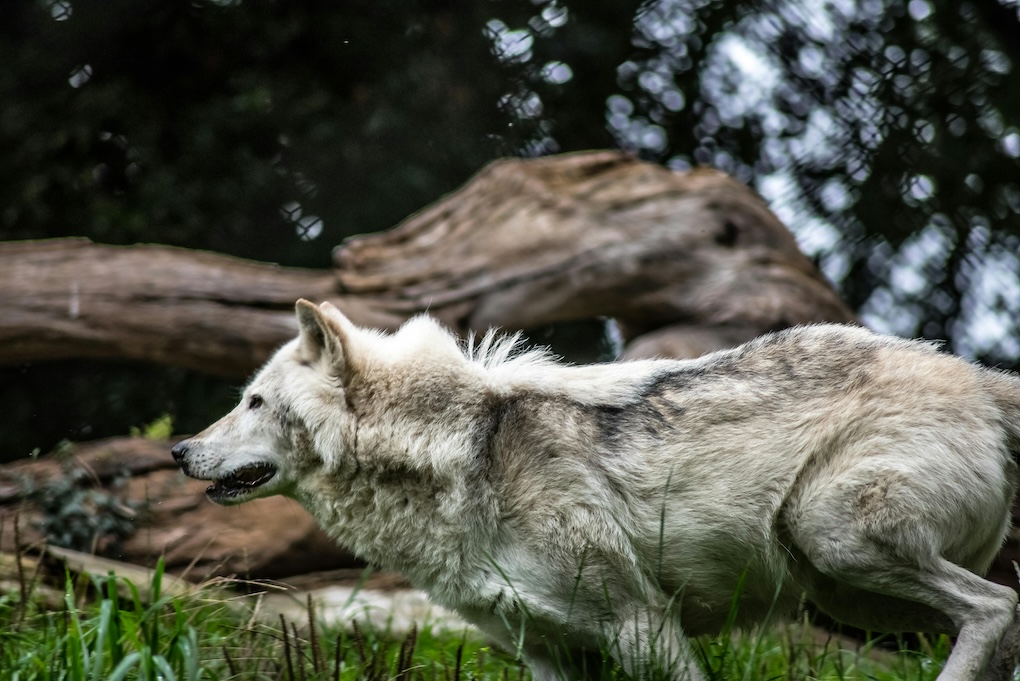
(403, 518)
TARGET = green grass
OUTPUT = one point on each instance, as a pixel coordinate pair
(801, 651)
(107, 629)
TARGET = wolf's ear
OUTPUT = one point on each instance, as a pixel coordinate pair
(325, 335)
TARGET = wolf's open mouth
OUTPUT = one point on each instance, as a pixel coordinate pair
(242, 480)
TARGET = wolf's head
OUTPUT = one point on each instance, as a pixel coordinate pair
(268, 442)
(340, 397)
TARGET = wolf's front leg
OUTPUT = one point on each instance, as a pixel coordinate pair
(548, 664)
(549, 658)
(651, 646)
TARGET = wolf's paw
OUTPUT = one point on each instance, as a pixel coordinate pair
(1007, 653)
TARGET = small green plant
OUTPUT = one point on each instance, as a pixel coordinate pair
(77, 514)
(160, 429)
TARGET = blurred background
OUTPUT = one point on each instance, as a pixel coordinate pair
(884, 133)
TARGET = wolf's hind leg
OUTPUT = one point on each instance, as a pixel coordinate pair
(650, 645)
(982, 613)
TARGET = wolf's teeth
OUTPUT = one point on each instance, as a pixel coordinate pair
(248, 477)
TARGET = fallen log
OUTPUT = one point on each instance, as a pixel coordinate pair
(527, 243)
(685, 262)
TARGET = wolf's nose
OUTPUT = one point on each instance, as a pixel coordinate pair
(180, 450)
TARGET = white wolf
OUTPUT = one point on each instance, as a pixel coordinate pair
(625, 507)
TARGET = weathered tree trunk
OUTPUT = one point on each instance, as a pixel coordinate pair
(685, 262)
(527, 243)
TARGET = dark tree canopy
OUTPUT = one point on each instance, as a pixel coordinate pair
(261, 129)
(885, 133)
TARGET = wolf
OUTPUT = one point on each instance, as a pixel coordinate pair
(575, 511)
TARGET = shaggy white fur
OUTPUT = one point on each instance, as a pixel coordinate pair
(627, 507)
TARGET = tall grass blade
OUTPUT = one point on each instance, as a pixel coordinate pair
(286, 649)
(129, 662)
(161, 665)
(314, 637)
(113, 598)
(156, 592)
(761, 631)
(78, 653)
(187, 649)
(98, 663)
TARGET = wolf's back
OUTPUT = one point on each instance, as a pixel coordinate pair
(1005, 389)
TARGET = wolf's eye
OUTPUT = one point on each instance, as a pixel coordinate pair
(255, 402)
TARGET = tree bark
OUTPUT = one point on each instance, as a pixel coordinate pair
(691, 262)
(527, 243)
(216, 314)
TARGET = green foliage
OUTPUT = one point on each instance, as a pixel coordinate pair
(110, 629)
(225, 125)
(160, 429)
(79, 515)
(140, 636)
